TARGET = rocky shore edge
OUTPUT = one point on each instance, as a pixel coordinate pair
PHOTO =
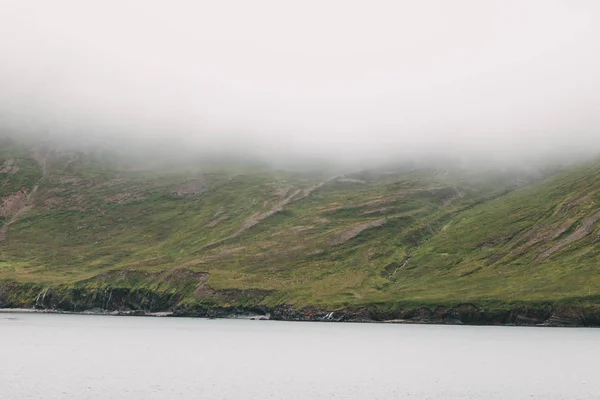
(461, 315)
(16, 297)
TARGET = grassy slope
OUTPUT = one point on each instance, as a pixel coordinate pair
(401, 236)
(537, 243)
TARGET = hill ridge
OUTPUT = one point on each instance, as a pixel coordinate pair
(382, 238)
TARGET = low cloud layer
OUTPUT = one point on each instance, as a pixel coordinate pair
(501, 79)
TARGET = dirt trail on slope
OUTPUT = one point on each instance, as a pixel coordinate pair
(26, 205)
(585, 229)
(353, 232)
(296, 196)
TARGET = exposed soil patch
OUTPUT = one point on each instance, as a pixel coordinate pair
(381, 201)
(192, 188)
(381, 210)
(295, 230)
(355, 231)
(562, 228)
(320, 220)
(568, 205)
(73, 201)
(124, 198)
(53, 202)
(181, 276)
(587, 226)
(9, 167)
(254, 220)
(12, 203)
(283, 192)
(204, 291)
(217, 221)
(19, 206)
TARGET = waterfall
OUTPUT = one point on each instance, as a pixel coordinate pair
(108, 301)
(44, 295)
(104, 302)
(38, 299)
(41, 295)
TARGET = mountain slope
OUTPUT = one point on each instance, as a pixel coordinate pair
(537, 243)
(83, 230)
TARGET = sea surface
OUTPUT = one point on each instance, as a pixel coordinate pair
(104, 357)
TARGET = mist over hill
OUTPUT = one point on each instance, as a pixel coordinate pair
(512, 83)
(93, 230)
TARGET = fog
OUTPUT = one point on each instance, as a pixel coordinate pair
(344, 80)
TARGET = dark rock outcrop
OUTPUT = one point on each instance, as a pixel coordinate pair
(136, 301)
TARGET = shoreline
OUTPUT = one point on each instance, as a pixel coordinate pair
(124, 301)
(257, 317)
(88, 312)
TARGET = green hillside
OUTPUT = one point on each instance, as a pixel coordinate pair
(205, 234)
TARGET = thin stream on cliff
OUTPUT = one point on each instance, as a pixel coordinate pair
(106, 357)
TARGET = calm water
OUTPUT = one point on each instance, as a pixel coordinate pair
(98, 357)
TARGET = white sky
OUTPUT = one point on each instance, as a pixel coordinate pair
(324, 77)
